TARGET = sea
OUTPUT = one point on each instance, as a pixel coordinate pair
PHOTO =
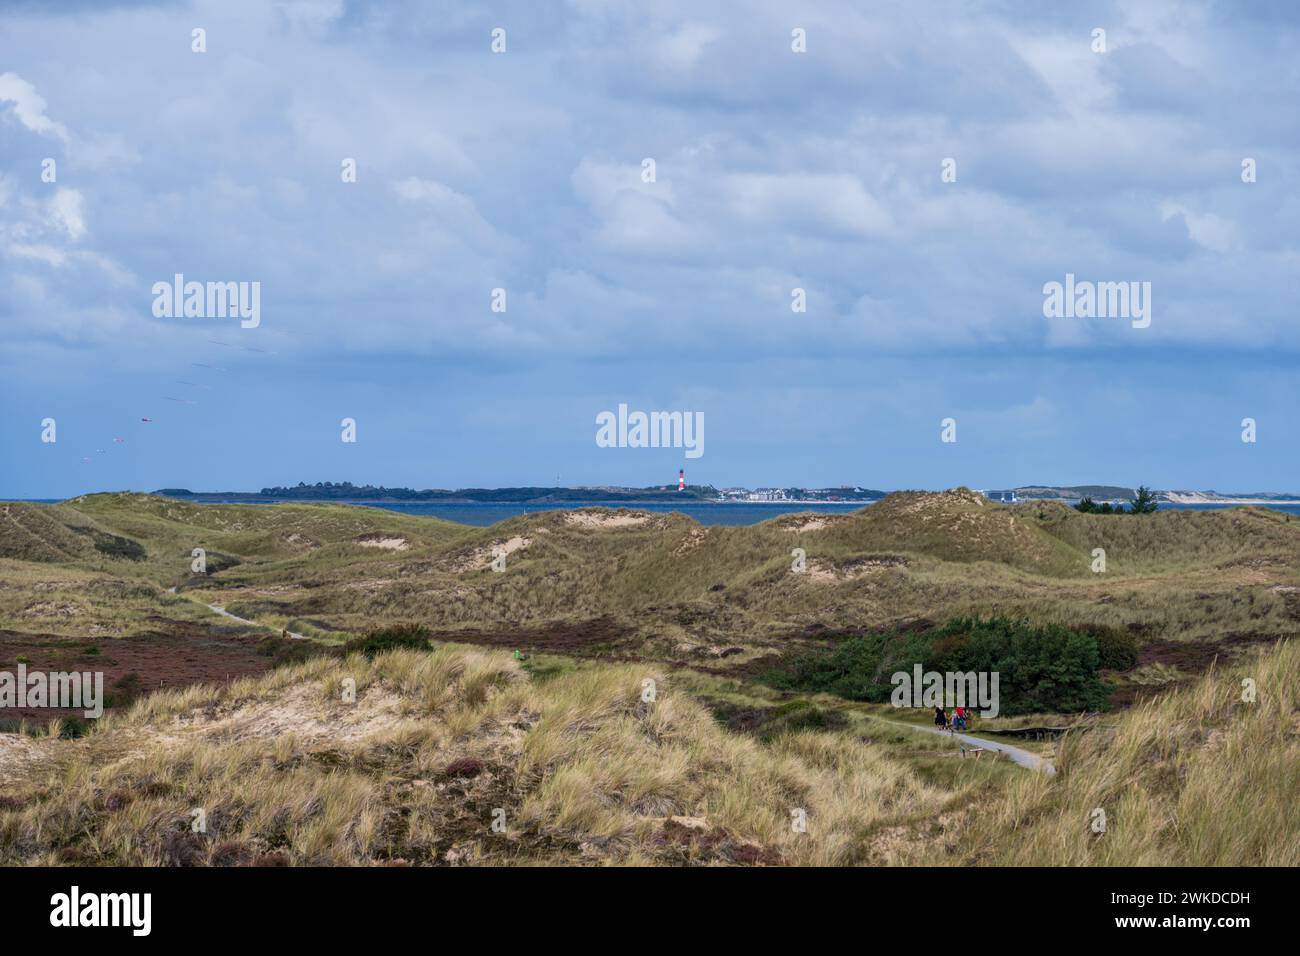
(705, 512)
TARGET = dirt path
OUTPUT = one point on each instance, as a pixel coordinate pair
(243, 620)
(1018, 755)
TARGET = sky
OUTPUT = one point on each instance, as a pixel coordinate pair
(921, 170)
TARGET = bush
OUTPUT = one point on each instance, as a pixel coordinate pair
(1116, 650)
(1088, 506)
(849, 671)
(114, 545)
(287, 650)
(124, 690)
(1040, 668)
(414, 636)
(1143, 504)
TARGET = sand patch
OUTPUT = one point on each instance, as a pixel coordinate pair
(693, 539)
(597, 519)
(304, 713)
(17, 754)
(809, 522)
(821, 573)
(379, 540)
(481, 558)
(855, 568)
(918, 502)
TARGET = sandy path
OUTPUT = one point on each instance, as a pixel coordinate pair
(243, 620)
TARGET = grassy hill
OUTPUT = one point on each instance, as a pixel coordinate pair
(581, 768)
(669, 587)
(239, 718)
(1198, 778)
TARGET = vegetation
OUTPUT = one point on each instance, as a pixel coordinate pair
(447, 725)
(586, 771)
(346, 491)
(1088, 506)
(1041, 668)
(1199, 778)
(1144, 502)
(1116, 650)
(414, 636)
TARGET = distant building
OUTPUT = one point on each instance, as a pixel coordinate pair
(1005, 497)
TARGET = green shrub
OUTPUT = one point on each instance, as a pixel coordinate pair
(287, 650)
(390, 638)
(1116, 650)
(849, 671)
(114, 545)
(1041, 668)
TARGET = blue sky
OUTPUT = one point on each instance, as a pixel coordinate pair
(522, 170)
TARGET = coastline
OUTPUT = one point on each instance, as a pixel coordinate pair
(1197, 500)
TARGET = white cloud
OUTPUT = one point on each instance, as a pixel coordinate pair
(835, 204)
(772, 169)
(29, 106)
(67, 213)
(1205, 229)
(682, 48)
(454, 215)
(38, 252)
(603, 185)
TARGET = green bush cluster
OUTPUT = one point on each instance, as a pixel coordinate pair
(1041, 668)
(1116, 650)
(390, 638)
(1145, 503)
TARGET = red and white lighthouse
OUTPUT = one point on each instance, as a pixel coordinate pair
(681, 479)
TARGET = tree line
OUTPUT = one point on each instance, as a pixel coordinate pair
(1144, 503)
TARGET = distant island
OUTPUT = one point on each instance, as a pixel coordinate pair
(1118, 493)
(347, 491)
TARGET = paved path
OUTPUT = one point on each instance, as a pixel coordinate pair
(1019, 755)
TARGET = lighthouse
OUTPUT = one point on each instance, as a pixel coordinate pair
(681, 479)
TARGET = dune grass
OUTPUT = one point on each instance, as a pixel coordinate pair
(586, 769)
(1197, 778)
(1186, 575)
(583, 766)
